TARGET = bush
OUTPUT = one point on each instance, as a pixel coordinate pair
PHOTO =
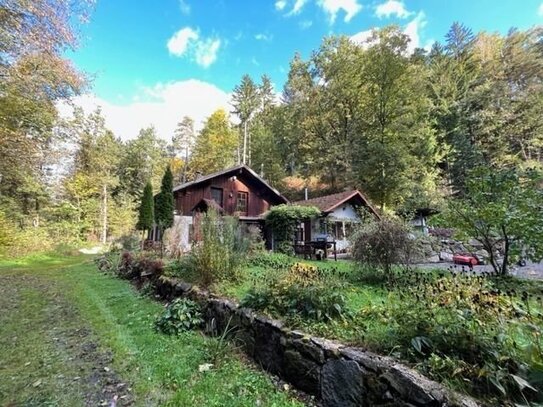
(108, 262)
(221, 251)
(180, 316)
(129, 242)
(139, 266)
(303, 291)
(383, 244)
(464, 329)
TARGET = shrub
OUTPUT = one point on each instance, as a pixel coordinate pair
(467, 330)
(303, 291)
(129, 242)
(221, 252)
(108, 262)
(382, 244)
(180, 316)
(140, 266)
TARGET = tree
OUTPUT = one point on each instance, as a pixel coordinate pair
(143, 159)
(397, 148)
(164, 207)
(183, 143)
(146, 211)
(246, 101)
(502, 209)
(215, 147)
(97, 159)
(34, 77)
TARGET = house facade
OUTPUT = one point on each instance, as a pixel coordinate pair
(237, 191)
(340, 213)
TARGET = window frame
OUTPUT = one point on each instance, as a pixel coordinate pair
(246, 195)
(219, 189)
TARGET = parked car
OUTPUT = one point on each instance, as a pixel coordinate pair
(466, 259)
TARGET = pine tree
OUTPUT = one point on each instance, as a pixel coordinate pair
(146, 213)
(164, 203)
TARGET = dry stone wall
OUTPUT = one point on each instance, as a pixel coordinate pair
(338, 375)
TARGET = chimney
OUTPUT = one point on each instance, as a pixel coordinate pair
(305, 193)
(198, 175)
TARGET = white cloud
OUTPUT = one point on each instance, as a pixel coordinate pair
(179, 42)
(280, 4)
(187, 41)
(263, 37)
(164, 106)
(540, 10)
(206, 51)
(412, 30)
(361, 38)
(390, 8)
(304, 25)
(184, 6)
(332, 7)
(298, 5)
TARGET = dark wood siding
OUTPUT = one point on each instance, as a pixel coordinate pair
(258, 201)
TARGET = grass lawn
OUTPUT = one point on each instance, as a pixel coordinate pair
(70, 336)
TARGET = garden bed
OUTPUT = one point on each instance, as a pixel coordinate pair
(475, 334)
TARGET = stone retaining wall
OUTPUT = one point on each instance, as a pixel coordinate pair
(338, 375)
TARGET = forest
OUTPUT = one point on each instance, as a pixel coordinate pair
(405, 128)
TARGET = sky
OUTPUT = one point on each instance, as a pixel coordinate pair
(151, 62)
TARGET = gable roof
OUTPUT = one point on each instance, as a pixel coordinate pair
(233, 171)
(328, 203)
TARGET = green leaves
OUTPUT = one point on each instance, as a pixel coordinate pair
(146, 211)
(283, 219)
(164, 201)
(503, 209)
(180, 316)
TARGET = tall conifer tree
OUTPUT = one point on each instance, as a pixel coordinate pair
(164, 203)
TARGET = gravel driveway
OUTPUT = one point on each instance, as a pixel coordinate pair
(533, 271)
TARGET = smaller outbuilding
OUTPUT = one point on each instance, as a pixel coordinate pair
(340, 213)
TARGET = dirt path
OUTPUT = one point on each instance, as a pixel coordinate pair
(48, 354)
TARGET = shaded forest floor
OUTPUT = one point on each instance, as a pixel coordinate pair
(70, 336)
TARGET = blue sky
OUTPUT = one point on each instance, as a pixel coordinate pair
(189, 54)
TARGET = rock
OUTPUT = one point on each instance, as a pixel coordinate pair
(368, 361)
(330, 348)
(302, 372)
(433, 259)
(308, 348)
(444, 256)
(342, 384)
(268, 349)
(413, 387)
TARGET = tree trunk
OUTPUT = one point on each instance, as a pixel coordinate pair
(103, 238)
(244, 142)
(505, 252)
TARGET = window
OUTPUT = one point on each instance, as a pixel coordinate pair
(216, 195)
(241, 205)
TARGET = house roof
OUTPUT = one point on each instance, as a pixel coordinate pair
(232, 170)
(328, 203)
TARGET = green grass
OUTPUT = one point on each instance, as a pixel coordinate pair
(63, 325)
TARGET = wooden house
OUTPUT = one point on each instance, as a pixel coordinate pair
(339, 214)
(238, 191)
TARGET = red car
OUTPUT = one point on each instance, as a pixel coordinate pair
(466, 259)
